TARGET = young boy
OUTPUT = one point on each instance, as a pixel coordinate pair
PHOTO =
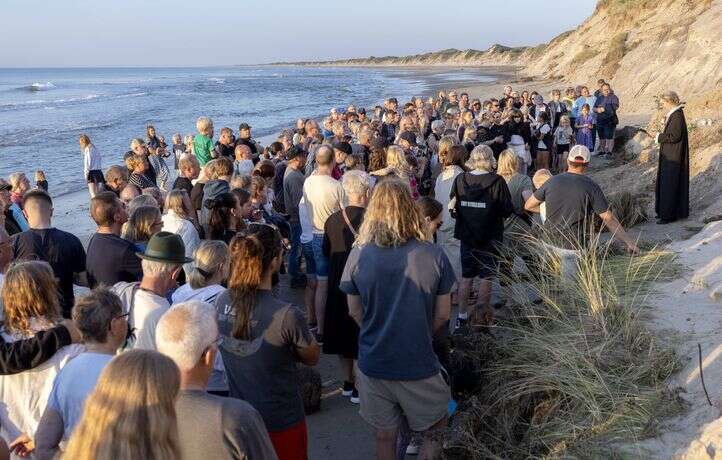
(179, 149)
(203, 142)
(189, 168)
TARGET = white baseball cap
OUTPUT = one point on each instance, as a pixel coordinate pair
(579, 154)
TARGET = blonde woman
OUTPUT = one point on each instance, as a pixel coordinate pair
(179, 218)
(92, 166)
(31, 305)
(211, 262)
(397, 166)
(481, 201)
(396, 361)
(144, 222)
(452, 160)
(19, 184)
(131, 412)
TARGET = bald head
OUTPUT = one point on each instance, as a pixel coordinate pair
(324, 156)
(128, 193)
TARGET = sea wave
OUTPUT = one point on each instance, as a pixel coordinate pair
(217, 80)
(39, 86)
(71, 100)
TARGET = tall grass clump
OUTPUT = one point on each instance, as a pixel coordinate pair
(574, 371)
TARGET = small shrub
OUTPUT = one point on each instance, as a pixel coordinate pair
(583, 56)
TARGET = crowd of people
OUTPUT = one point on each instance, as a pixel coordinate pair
(384, 220)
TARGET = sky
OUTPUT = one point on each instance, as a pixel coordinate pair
(69, 33)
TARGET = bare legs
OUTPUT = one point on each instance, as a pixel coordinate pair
(93, 189)
(483, 303)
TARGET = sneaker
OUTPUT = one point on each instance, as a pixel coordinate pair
(347, 389)
(354, 397)
(412, 449)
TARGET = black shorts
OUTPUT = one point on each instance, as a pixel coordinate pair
(562, 148)
(481, 263)
(95, 176)
(606, 132)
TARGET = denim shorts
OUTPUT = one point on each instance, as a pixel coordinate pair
(307, 251)
(479, 263)
(319, 258)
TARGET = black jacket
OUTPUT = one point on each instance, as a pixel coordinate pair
(483, 202)
(16, 357)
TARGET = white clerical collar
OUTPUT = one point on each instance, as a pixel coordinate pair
(672, 111)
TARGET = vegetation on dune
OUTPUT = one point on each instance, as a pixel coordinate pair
(574, 374)
(615, 53)
(583, 56)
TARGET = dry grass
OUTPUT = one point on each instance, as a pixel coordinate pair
(615, 53)
(583, 56)
(630, 209)
(573, 375)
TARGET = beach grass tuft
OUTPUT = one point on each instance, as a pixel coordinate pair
(576, 374)
(583, 56)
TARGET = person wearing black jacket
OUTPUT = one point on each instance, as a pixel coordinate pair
(480, 201)
(22, 355)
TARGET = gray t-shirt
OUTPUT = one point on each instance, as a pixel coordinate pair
(518, 183)
(571, 200)
(211, 427)
(292, 193)
(263, 370)
(398, 287)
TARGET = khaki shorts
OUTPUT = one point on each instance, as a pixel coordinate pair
(384, 403)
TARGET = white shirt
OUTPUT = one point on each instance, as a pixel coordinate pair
(91, 159)
(545, 128)
(174, 223)
(25, 395)
(323, 196)
(148, 307)
(306, 225)
(444, 183)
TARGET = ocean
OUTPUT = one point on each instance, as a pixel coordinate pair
(43, 111)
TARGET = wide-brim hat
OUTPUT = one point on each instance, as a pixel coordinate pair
(165, 247)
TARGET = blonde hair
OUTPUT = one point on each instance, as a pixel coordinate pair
(565, 118)
(136, 142)
(15, 179)
(445, 144)
(131, 412)
(140, 223)
(133, 162)
(391, 218)
(40, 175)
(482, 157)
(210, 258)
(396, 160)
(30, 291)
(84, 140)
(187, 160)
(179, 202)
(540, 177)
(204, 125)
(508, 164)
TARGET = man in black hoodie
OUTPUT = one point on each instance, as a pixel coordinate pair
(480, 201)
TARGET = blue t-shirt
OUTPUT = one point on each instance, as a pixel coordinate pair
(398, 287)
(72, 386)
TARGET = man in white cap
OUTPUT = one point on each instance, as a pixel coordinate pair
(572, 199)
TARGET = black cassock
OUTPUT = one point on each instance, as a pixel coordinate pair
(672, 188)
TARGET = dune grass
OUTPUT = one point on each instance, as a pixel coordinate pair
(583, 56)
(575, 374)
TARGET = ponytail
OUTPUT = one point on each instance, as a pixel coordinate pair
(220, 214)
(251, 258)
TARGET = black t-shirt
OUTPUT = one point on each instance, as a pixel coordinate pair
(197, 195)
(225, 150)
(62, 250)
(483, 202)
(111, 259)
(571, 200)
(251, 145)
(183, 183)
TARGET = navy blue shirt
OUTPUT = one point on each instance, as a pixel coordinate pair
(398, 287)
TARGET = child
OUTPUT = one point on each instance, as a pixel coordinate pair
(584, 125)
(189, 169)
(545, 141)
(563, 139)
(92, 166)
(203, 142)
(188, 141)
(179, 149)
(40, 181)
(243, 166)
(540, 177)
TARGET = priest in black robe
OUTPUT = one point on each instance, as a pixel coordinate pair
(672, 187)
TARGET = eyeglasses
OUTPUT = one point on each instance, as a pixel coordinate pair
(124, 315)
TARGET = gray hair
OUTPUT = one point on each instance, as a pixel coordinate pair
(482, 157)
(437, 125)
(356, 183)
(209, 259)
(671, 97)
(157, 269)
(93, 313)
(186, 331)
